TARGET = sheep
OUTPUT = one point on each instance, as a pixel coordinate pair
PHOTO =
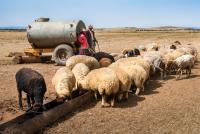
(104, 81)
(100, 55)
(63, 81)
(124, 82)
(169, 57)
(193, 52)
(130, 52)
(142, 48)
(80, 70)
(149, 68)
(136, 61)
(32, 83)
(186, 49)
(156, 60)
(153, 47)
(189, 50)
(137, 74)
(91, 62)
(117, 56)
(105, 62)
(164, 50)
(184, 62)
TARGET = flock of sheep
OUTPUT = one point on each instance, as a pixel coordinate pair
(108, 75)
(115, 75)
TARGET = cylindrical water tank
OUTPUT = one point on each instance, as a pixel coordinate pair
(49, 34)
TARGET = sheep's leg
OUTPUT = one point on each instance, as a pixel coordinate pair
(126, 95)
(165, 74)
(20, 100)
(103, 100)
(181, 71)
(32, 100)
(189, 71)
(120, 96)
(168, 70)
(113, 100)
(148, 80)
(28, 101)
(96, 95)
(137, 91)
(161, 72)
(70, 95)
(178, 73)
(142, 88)
(162, 75)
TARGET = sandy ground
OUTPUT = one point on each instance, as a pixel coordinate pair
(167, 106)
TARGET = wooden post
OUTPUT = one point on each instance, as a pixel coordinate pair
(30, 59)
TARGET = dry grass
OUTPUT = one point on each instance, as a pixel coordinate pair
(12, 35)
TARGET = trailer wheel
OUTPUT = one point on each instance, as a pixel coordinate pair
(62, 53)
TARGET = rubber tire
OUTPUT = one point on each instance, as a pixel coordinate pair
(69, 52)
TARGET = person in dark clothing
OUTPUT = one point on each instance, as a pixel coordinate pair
(91, 37)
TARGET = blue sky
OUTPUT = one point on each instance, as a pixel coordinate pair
(103, 13)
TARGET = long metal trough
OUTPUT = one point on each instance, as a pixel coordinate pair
(32, 123)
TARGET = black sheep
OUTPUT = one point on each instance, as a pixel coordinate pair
(100, 55)
(32, 83)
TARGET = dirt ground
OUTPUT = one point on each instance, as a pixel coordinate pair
(167, 106)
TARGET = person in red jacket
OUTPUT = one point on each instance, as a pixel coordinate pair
(84, 49)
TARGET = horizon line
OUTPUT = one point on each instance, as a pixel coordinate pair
(152, 27)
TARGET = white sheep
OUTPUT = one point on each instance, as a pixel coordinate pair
(63, 82)
(104, 81)
(142, 48)
(170, 57)
(91, 62)
(137, 74)
(153, 46)
(124, 82)
(155, 59)
(80, 70)
(135, 61)
(186, 49)
(184, 62)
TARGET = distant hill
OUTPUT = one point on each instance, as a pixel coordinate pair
(172, 28)
(163, 28)
(13, 28)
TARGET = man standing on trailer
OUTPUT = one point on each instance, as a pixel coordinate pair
(91, 38)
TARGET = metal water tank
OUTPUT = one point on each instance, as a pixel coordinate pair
(49, 34)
